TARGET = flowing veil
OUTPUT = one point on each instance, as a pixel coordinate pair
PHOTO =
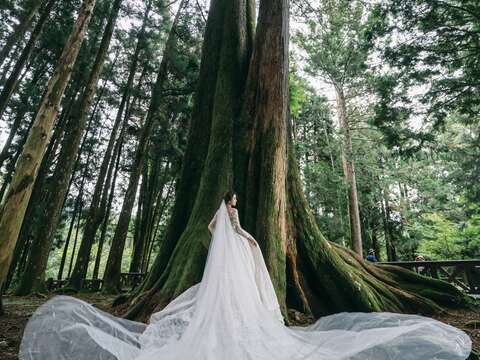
(233, 313)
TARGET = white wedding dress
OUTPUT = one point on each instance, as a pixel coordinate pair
(233, 314)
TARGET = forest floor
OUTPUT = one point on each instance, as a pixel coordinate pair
(19, 309)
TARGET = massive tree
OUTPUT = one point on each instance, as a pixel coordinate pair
(241, 110)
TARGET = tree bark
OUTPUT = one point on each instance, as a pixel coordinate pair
(69, 235)
(223, 74)
(261, 156)
(76, 209)
(156, 206)
(75, 240)
(349, 172)
(216, 39)
(387, 230)
(39, 189)
(21, 110)
(141, 209)
(13, 209)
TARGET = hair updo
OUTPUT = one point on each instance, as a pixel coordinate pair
(229, 196)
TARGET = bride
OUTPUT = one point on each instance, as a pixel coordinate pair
(233, 314)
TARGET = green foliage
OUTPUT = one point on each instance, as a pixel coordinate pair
(336, 40)
(441, 238)
(431, 48)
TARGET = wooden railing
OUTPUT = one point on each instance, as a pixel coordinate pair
(128, 281)
(464, 274)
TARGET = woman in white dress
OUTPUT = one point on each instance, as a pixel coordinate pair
(233, 314)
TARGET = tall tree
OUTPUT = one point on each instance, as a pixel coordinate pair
(33, 279)
(111, 279)
(97, 207)
(336, 44)
(13, 209)
(310, 273)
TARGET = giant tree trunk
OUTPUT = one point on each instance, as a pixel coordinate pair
(349, 172)
(13, 209)
(223, 74)
(218, 35)
(310, 274)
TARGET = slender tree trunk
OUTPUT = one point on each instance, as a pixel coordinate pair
(43, 214)
(155, 208)
(21, 111)
(13, 209)
(375, 243)
(349, 172)
(158, 219)
(5, 153)
(14, 77)
(39, 188)
(114, 168)
(69, 236)
(137, 245)
(334, 170)
(148, 206)
(20, 29)
(111, 280)
(78, 202)
(77, 230)
(391, 253)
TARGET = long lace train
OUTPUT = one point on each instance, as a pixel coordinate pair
(233, 314)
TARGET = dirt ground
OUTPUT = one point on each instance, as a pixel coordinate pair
(19, 309)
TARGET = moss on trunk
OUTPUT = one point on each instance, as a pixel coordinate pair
(254, 151)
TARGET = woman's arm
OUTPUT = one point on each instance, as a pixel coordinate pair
(241, 231)
(212, 223)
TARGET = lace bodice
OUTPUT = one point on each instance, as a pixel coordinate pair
(233, 214)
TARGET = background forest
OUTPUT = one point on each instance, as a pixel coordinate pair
(384, 106)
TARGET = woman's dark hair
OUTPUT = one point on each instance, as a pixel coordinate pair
(229, 196)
